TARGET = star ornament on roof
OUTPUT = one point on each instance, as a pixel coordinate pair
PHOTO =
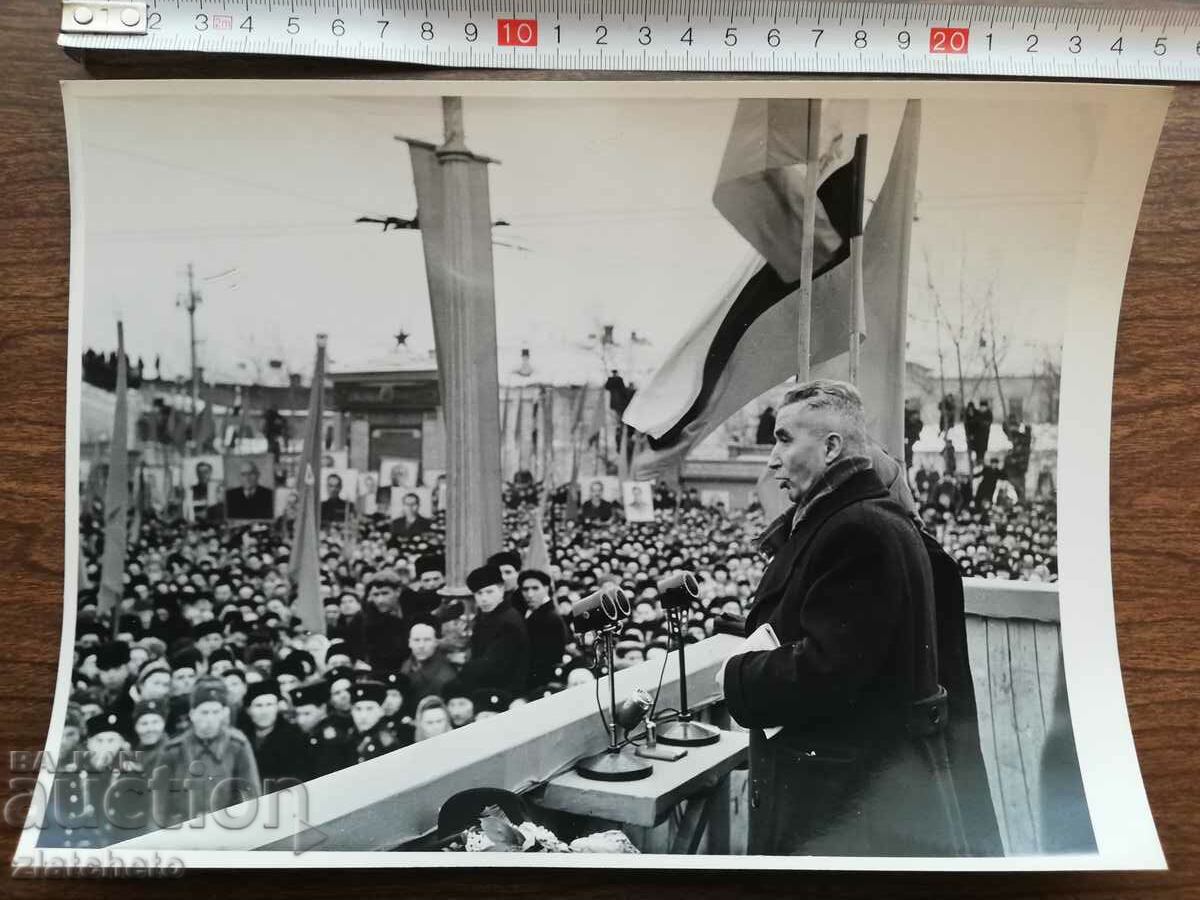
(401, 338)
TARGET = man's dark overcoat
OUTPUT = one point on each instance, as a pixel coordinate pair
(850, 595)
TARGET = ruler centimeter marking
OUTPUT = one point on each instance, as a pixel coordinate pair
(800, 36)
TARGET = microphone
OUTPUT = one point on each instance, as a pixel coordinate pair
(601, 608)
(633, 709)
(678, 591)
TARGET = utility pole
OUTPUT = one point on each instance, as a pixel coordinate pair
(193, 301)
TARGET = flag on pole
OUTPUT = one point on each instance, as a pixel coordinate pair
(746, 344)
(116, 495)
(884, 284)
(537, 555)
(304, 562)
(760, 187)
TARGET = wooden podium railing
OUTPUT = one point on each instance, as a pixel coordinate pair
(383, 803)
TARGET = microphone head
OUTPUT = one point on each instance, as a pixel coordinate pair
(599, 609)
(678, 590)
(633, 709)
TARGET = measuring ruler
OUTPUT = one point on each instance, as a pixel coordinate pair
(861, 38)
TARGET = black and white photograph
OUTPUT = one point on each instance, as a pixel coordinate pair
(249, 486)
(705, 474)
(638, 500)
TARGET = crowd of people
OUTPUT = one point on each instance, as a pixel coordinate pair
(205, 666)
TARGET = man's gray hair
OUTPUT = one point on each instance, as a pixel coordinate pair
(839, 399)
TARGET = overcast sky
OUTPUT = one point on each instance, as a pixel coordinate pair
(612, 222)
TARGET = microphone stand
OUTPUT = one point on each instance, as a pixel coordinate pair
(683, 731)
(616, 763)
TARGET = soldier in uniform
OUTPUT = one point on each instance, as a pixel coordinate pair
(395, 706)
(371, 737)
(100, 795)
(327, 745)
(112, 661)
(279, 746)
(490, 703)
(211, 765)
(150, 726)
(340, 680)
(459, 704)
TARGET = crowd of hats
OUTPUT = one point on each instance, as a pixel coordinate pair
(1009, 542)
(207, 609)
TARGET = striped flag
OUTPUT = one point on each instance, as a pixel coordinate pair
(746, 344)
(885, 249)
(304, 563)
(116, 495)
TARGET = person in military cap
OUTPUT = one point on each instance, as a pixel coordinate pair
(294, 668)
(396, 705)
(150, 727)
(112, 664)
(548, 633)
(371, 736)
(499, 641)
(279, 746)
(459, 705)
(91, 805)
(340, 679)
(211, 765)
(327, 746)
(490, 703)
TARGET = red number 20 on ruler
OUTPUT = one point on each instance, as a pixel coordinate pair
(516, 32)
(948, 40)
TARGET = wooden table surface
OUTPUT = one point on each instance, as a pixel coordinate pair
(1154, 485)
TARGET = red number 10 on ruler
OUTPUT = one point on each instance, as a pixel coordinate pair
(516, 32)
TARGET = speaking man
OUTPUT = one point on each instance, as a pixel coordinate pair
(846, 755)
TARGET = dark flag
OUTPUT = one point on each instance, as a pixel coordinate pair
(304, 562)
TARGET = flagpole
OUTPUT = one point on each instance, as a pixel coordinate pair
(812, 161)
(455, 218)
(857, 301)
(116, 497)
(303, 561)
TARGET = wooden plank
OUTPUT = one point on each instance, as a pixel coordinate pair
(1027, 704)
(1017, 815)
(1049, 650)
(978, 653)
(646, 801)
(1011, 599)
